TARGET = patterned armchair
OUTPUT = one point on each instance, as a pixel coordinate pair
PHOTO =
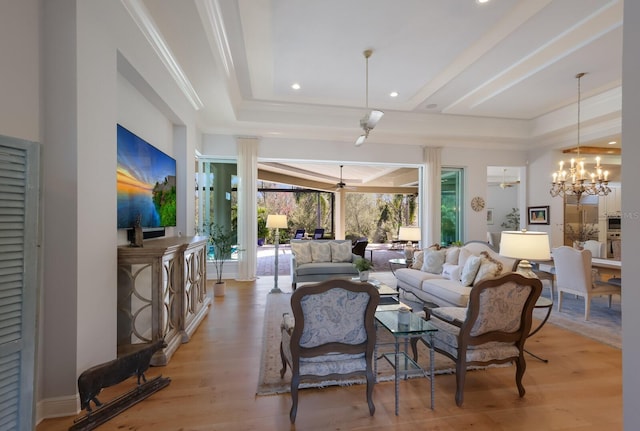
(331, 335)
(492, 330)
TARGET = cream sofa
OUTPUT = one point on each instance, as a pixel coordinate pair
(445, 277)
(319, 260)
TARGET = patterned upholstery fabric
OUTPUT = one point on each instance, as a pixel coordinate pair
(340, 251)
(432, 261)
(302, 252)
(333, 335)
(489, 268)
(417, 259)
(334, 316)
(492, 330)
(320, 251)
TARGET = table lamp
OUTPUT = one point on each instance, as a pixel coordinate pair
(409, 233)
(525, 246)
(277, 222)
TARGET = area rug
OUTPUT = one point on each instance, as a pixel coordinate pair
(270, 382)
(604, 324)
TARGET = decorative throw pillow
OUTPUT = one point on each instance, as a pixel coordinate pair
(417, 259)
(302, 252)
(320, 251)
(453, 254)
(432, 261)
(463, 255)
(340, 251)
(451, 272)
(470, 270)
(489, 268)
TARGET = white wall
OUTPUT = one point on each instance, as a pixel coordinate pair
(502, 201)
(631, 213)
(475, 162)
(19, 71)
(84, 43)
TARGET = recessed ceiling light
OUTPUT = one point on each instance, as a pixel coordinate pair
(295, 86)
(393, 94)
(612, 143)
(482, 1)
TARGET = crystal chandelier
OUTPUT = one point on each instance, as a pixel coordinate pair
(577, 181)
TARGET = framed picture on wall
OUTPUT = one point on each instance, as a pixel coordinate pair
(538, 215)
(489, 215)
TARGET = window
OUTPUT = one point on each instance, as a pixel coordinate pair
(216, 185)
(451, 205)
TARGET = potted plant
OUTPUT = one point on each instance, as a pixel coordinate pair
(582, 233)
(363, 266)
(222, 241)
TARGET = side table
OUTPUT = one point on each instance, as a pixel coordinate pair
(399, 262)
(402, 364)
(541, 303)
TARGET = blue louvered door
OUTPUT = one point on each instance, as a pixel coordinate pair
(19, 173)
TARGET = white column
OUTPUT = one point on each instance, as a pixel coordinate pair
(247, 207)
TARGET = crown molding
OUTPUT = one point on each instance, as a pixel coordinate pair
(147, 26)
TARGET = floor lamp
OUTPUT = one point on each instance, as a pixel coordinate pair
(277, 222)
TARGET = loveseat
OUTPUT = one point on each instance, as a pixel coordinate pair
(319, 260)
(444, 277)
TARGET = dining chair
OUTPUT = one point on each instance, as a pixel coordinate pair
(492, 329)
(330, 336)
(299, 234)
(575, 275)
(318, 233)
(596, 248)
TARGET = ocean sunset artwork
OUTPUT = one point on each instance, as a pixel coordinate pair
(146, 183)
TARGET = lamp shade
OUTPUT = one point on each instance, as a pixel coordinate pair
(278, 221)
(409, 233)
(525, 245)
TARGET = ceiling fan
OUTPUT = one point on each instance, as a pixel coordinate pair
(341, 185)
(369, 121)
(504, 184)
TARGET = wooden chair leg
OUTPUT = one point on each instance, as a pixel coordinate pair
(521, 366)
(295, 380)
(284, 362)
(461, 374)
(370, 384)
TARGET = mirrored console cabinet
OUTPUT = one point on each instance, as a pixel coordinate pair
(161, 293)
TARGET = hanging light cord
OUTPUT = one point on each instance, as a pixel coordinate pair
(579, 76)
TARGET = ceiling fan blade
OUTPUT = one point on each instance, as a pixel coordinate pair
(361, 140)
(373, 118)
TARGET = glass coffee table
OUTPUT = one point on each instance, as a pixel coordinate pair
(401, 362)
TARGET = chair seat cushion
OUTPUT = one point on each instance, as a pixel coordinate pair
(327, 268)
(446, 339)
(331, 363)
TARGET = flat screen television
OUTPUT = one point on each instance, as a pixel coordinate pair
(146, 183)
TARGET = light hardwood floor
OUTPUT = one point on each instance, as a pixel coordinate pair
(214, 379)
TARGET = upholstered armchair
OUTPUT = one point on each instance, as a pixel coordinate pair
(491, 330)
(575, 275)
(331, 335)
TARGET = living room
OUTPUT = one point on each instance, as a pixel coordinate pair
(107, 46)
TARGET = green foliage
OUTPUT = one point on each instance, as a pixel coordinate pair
(512, 220)
(363, 264)
(583, 233)
(222, 241)
(263, 231)
(164, 200)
